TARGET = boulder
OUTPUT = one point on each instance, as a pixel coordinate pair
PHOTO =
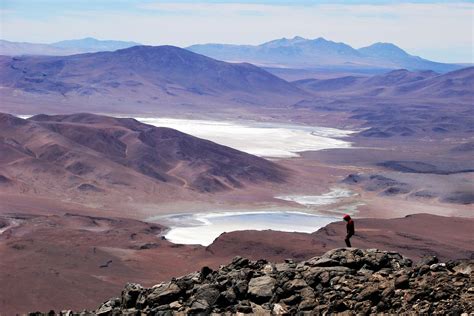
(261, 288)
(130, 294)
(208, 294)
(163, 294)
(402, 282)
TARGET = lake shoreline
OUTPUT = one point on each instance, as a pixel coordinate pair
(204, 228)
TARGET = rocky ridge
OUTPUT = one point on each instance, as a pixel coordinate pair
(349, 280)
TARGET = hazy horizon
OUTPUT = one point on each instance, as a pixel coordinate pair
(138, 43)
(436, 30)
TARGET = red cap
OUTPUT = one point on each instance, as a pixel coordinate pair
(346, 216)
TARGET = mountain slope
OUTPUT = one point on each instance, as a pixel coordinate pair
(395, 57)
(384, 50)
(87, 154)
(313, 53)
(398, 83)
(400, 103)
(459, 83)
(62, 48)
(162, 72)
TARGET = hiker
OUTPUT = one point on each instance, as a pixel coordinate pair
(350, 229)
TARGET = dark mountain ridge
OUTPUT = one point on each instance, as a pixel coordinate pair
(98, 154)
(162, 72)
(400, 83)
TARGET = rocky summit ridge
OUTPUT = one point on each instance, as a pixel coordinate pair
(349, 280)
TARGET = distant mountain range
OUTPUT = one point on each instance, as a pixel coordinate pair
(169, 72)
(296, 52)
(299, 52)
(62, 48)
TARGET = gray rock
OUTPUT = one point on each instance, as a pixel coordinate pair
(324, 262)
(107, 307)
(402, 282)
(229, 296)
(295, 285)
(163, 294)
(130, 294)
(261, 288)
(465, 268)
(240, 288)
(208, 294)
(371, 292)
(199, 306)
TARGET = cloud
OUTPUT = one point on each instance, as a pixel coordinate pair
(430, 28)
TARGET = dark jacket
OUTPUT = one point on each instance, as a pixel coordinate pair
(350, 228)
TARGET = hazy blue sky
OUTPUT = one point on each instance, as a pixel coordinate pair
(438, 30)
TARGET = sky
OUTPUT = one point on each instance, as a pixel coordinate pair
(437, 30)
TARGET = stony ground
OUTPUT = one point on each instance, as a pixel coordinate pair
(350, 280)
